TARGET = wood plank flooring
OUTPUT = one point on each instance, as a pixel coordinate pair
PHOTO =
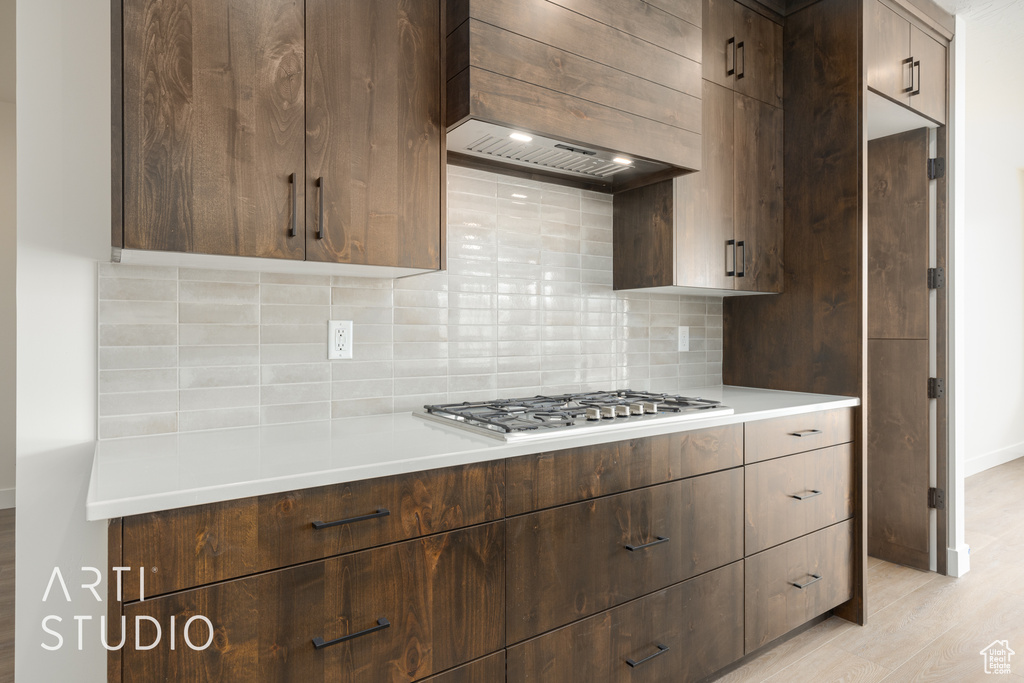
(6, 595)
(922, 626)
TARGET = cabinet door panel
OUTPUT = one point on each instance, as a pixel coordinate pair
(373, 132)
(704, 201)
(931, 101)
(887, 47)
(759, 57)
(716, 35)
(759, 211)
(213, 126)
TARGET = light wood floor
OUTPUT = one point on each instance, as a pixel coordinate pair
(922, 626)
(6, 595)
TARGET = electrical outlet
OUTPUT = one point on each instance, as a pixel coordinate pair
(339, 339)
(684, 338)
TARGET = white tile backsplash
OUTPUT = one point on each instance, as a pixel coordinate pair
(525, 307)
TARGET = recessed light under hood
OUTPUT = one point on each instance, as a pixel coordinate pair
(545, 155)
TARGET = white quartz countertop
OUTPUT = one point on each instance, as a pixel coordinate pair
(135, 475)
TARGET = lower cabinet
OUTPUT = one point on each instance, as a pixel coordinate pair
(682, 633)
(397, 613)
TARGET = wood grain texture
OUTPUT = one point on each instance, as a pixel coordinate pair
(774, 605)
(570, 562)
(7, 556)
(779, 436)
(213, 125)
(687, 10)
(887, 46)
(718, 29)
(758, 195)
(773, 515)
(373, 132)
(643, 237)
(114, 559)
(704, 203)
(490, 669)
(759, 70)
(898, 451)
(116, 124)
(555, 478)
(942, 349)
(189, 547)
(698, 620)
(898, 218)
(932, 100)
(442, 596)
(421, 503)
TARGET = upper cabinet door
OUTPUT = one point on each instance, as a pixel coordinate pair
(213, 126)
(373, 132)
(758, 141)
(887, 52)
(758, 56)
(929, 95)
(719, 41)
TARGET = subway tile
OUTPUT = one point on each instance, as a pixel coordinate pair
(596, 220)
(420, 316)
(421, 333)
(518, 364)
(415, 299)
(137, 425)
(460, 185)
(138, 312)
(295, 334)
(280, 314)
(367, 388)
(345, 281)
(403, 404)
(199, 420)
(205, 356)
(371, 316)
(218, 334)
(298, 295)
(137, 403)
(194, 378)
(299, 412)
(362, 406)
(308, 280)
(463, 383)
(138, 335)
(471, 349)
(223, 314)
(117, 270)
(218, 292)
(128, 357)
(213, 398)
(295, 373)
(472, 366)
(421, 367)
(120, 381)
(128, 289)
(211, 275)
(293, 353)
(276, 394)
(355, 297)
(354, 369)
(420, 385)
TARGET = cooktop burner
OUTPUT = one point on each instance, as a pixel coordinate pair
(542, 416)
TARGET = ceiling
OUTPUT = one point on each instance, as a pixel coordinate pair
(7, 50)
(1001, 20)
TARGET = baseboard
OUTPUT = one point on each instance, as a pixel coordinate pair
(958, 560)
(993, 459)
(6, 498)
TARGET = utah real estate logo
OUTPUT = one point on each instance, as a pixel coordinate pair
(997, 657)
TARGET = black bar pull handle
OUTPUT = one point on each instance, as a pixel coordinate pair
(661, 539)
(815, 579)
(804, 496)
(294, 180)
(730, 271)
(741, 264)
(917, 65)
(320, 643)
(805, 432)
(320, 225)
(910, 61)
(662, 649)
(381, 512)
(730, 50)
(741, 53)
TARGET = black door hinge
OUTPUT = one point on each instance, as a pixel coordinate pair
(936, 278)
(936, 498)
(936, 168)
(936, 387)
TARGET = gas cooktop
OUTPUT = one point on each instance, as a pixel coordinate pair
(520, 419)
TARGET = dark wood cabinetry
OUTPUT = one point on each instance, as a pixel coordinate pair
(742, 50)
(903, 62)
(283, 129)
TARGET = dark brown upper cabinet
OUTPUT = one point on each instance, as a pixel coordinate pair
(904, 63)
(283, 129)
(720, 229)
(580, 83)
(742, 50)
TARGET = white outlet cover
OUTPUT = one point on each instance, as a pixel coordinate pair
(339, 339)
(684, 338)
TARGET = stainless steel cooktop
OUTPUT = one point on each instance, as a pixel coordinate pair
(520, 419)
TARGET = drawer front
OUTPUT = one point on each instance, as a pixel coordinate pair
(548, 479)
(415, 504)
(490, 669)
(764, 439)
(774, 605)
(571, 562)
(699, 621)
(441, 596)
(795, 495)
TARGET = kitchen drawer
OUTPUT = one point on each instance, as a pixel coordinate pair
(559, 477)
(693, 628)
(490, 669)
(206, 543)
(441, 596)
(795, 495)
(775, 602)
(570, 562)
(764, 439)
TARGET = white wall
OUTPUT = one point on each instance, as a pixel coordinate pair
(8, 259)
(993, 263)
(63, 106)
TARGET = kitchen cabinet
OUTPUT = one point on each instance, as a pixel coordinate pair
(721, 228)
(283, 129)
(904, 63)
(742, 51)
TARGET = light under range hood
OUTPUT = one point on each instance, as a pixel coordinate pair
(536, 88)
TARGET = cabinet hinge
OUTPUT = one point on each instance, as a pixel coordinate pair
(936, 387)
(936, 498)
(936, 278)
(936, 168)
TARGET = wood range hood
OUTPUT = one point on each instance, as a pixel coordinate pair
(535, 88)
